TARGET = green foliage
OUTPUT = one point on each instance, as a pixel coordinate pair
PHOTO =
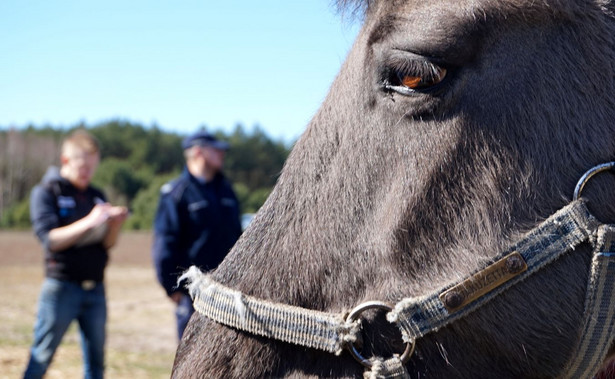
(120, 181)
(119, 138)
(250, 201)
(254, 159)
(17, 216)
(135, 162)
(243, 192)
(144, 205)
(255, 200)
(161, 152)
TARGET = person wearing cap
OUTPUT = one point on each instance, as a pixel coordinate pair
(197, 220)
(77, 227)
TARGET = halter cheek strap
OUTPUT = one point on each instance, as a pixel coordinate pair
(562, 232)
(597, 332)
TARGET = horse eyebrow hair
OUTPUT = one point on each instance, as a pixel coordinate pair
(382, 29)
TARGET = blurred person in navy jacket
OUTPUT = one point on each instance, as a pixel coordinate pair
(197, 220)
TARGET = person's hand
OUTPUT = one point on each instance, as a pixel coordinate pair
(98, 215)
(118, 214)
(176, 297)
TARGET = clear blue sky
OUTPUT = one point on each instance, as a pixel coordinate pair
(177, 64)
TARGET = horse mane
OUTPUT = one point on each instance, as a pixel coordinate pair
(353, 7)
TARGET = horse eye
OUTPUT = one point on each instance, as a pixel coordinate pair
(423, 82)
(414, 77)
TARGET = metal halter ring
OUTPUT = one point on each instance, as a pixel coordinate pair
(588, 175)
(354, 315)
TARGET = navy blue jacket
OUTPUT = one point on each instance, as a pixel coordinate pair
(54, 203)
(196, 224)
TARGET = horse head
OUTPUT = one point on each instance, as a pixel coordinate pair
(453, 129)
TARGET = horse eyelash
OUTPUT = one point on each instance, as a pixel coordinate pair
(415, 67)
(408, 67)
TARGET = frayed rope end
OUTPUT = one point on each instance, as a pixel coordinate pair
(194, 278)
(199, 283)
(347, 332)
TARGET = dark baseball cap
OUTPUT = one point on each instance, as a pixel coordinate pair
(204, 139)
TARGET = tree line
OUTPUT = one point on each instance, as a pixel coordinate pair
(135, 162)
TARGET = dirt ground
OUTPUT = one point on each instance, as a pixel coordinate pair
(141, 338)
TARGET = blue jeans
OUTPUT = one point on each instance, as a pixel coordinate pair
(60, 303)
(183, 311)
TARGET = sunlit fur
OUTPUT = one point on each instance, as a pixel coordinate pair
(387, 196)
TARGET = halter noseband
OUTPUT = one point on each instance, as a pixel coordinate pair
(418, 316)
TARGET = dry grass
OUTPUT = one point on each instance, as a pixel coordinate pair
(141, 337)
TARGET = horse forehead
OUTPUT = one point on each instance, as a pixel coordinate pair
(474, 8)
(452, 27)
(445, 15)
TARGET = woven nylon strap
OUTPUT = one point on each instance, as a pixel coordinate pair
(597, 333)
(415, 317)
(300, 326)
(561, 232)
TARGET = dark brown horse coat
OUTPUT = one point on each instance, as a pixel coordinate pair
(454, 127)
